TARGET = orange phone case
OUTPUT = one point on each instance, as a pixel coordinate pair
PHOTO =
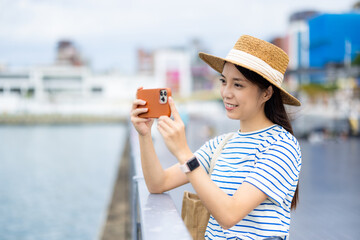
(156, 102)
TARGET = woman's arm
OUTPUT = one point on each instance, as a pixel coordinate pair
(157, 179)
(227, 210)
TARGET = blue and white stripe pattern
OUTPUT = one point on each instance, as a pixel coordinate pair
(269, 159)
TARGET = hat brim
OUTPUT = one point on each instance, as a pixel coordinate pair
(218, 63)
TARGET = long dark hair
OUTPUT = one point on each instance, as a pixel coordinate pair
(274, 110)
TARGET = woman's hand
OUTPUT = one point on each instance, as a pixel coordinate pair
(173, 132)
(142, 125)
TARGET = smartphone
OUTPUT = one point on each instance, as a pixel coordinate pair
(156, 102)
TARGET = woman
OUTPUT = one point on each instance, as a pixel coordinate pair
(253, 186)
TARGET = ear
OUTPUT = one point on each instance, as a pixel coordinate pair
(267, 94)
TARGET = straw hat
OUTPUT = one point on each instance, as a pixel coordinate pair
(260, 56)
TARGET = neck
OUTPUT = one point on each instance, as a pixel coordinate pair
(259, 121)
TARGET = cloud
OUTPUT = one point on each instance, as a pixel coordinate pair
(118, 26)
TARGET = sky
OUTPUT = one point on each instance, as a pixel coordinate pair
(108, 32)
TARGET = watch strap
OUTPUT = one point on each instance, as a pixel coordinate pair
(190, 165)
(184, 168)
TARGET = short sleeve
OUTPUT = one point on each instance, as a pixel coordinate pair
(276, 170)
(206, 152)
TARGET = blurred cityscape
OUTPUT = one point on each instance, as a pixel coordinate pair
(324, 73)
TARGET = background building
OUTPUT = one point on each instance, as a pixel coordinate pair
(321, 46)
(68, 54)
(172, 69)
(297, 39)
(316, 40)
(333, 39)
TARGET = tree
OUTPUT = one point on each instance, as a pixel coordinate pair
(356, 61)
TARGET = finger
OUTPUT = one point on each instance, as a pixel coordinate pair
(138, 102)
(139, 88)
(165, 131)
(140, 120)
(168, 121)
(161, 130)
(164, 125)
(174, 111)
(136, 112)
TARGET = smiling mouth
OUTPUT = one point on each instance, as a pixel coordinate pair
(230, 106)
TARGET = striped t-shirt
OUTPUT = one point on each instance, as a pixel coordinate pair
(269, 159)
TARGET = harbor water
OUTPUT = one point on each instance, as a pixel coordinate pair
(56, 181)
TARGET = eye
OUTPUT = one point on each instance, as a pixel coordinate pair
(238, 85)
(222, 81)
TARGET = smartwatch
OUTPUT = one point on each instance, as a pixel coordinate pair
(190, 165)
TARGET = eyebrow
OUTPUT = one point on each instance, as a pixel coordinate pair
(235, 79)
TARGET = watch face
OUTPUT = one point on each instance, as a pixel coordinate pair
(193, 163)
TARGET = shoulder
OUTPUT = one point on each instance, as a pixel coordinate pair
(285, 143)
(289, 139)
(206, 152)
(213, 143)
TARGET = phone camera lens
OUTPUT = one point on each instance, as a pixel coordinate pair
(163, 99)
(165, 93)
(161, 93)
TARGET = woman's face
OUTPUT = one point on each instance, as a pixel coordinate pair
(243, 99)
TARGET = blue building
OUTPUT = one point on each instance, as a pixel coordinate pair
(333, 39)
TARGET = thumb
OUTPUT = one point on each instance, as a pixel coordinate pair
(174, 111)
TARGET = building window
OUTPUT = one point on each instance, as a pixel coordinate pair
(14, 76)
(62, 78)
(96, 90)
(30, 92)
(15, 90)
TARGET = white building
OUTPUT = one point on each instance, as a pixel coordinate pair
(69, 89)
(172, 69)
(298, 35)
(65, 90)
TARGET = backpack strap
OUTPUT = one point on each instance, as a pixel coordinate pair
(218, 150)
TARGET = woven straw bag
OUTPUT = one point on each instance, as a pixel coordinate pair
(193, 212)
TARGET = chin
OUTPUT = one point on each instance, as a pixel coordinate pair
(233, 116)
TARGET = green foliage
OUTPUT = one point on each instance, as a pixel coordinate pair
(315, 89)
(356, 61)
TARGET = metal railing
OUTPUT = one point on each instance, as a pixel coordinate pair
(154, 216)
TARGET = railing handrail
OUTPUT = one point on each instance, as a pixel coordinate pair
(154, 215)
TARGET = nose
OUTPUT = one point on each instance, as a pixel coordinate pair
(227, 92)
